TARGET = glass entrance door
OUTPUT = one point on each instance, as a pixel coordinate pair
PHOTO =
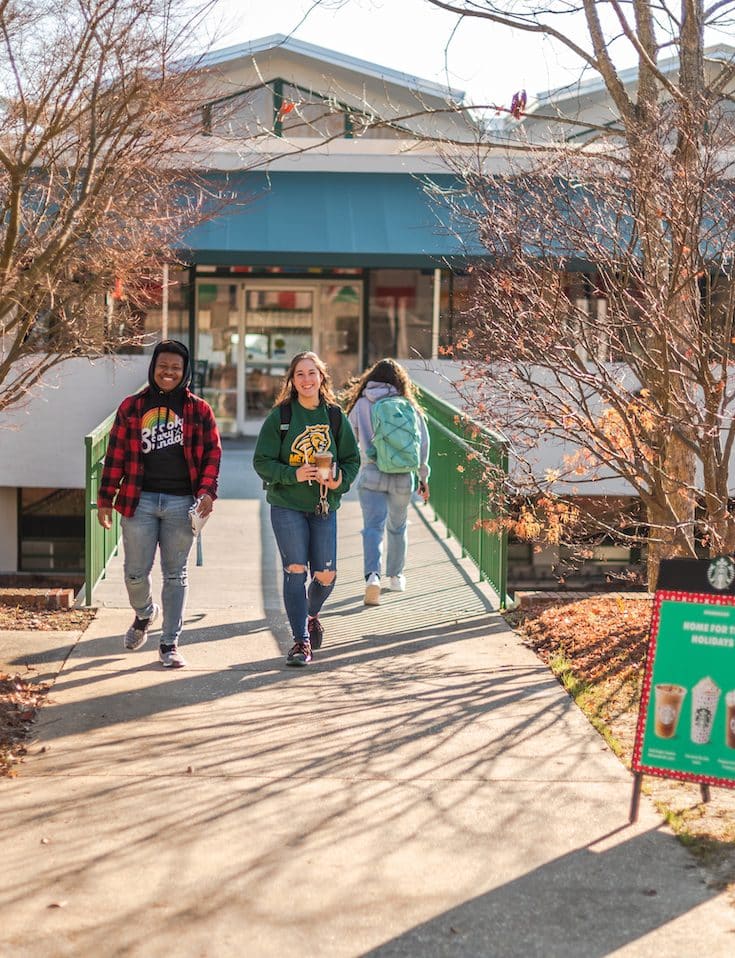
(338, 329)
(248, 331)
(279, 322)
(217, 349)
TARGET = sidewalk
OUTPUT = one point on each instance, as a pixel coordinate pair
(424, 788)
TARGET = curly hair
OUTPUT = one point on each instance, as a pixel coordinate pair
(384, 371)
(288, 391)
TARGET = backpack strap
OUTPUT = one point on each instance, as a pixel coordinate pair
(285, 411)
(335, 419)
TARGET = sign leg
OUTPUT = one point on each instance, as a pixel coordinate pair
(704, 789)
(636, 799)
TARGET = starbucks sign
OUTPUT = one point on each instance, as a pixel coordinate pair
(686, 722)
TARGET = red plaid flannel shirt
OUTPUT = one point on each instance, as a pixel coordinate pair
(122, 473)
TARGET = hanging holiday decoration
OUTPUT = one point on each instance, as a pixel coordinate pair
(518, 104)
(285, 108)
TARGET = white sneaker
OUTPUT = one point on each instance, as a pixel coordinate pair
(397, 583)
(372, 589)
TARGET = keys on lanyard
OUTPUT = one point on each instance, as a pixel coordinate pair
(322, 507)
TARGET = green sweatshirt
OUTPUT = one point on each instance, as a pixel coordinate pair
(277, 457)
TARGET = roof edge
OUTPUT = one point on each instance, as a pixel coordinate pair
(335, 58)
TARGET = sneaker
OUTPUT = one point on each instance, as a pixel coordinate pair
(300, 654)
(138, 632)
(397, 583)
(170, 657)
(372, 589)
(316, 632)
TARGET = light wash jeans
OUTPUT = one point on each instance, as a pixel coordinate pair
(384, 500)
(306, 539)
(159, 519)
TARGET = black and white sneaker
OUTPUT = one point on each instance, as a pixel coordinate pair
(170, 657)
(138, 632)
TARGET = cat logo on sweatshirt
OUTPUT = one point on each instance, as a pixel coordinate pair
(312, 439)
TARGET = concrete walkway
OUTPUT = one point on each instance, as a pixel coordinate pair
(425, 788)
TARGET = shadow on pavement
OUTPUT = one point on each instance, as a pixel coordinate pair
(586, 904)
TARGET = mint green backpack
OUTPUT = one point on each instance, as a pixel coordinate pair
(396, 444)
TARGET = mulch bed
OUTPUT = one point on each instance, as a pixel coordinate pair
(17, 617)
(600, 637)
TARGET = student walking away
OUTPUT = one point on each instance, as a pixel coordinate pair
(163, 457)
(394, 447)
(307, 455)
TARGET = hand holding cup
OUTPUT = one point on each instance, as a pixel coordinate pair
(323, 463)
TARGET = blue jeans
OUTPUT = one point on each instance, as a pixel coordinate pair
(163, 520)
(384, 500)
(307, 540)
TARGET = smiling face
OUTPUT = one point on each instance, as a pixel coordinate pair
(168, 371)
(306, 380)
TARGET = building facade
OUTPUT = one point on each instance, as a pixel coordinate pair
(323, 235)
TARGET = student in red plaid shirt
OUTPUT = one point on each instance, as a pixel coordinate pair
(163, 455)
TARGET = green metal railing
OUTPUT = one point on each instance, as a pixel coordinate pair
(99, 544)
(467, 461)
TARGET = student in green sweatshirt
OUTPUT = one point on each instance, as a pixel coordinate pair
(305, 422)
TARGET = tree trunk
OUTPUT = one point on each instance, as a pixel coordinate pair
(671, 514)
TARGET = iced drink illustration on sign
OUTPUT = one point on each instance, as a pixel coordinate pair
(668, 708)
(730, 719)
(705, 696)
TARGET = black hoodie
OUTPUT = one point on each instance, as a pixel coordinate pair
(164, 465)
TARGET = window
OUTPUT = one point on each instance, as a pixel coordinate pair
(51, 530)
(401, 305)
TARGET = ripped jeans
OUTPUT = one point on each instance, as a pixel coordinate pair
(159, 520)
(310, 541)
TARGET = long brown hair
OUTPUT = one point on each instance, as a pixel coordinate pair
(288, 391)
(384, 371)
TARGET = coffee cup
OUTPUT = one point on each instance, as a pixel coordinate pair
(667, 707)
(730, 719)
(323, 463)
(705, 696)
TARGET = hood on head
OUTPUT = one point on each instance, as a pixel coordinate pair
(375, 391)
(170, 346)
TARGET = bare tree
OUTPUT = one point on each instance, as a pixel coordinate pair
(642, 388)
(98, 105)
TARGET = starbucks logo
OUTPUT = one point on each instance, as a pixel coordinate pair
(703, 718)
(720, 573)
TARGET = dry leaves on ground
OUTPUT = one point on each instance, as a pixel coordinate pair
(601, 637)
(19, 703)
(15, 617)
(19, 698)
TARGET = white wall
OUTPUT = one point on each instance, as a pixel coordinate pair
(42, 442)
(373, 91)
(444, 379)
(8, 529)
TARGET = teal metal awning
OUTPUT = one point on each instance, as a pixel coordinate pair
(330, 219)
